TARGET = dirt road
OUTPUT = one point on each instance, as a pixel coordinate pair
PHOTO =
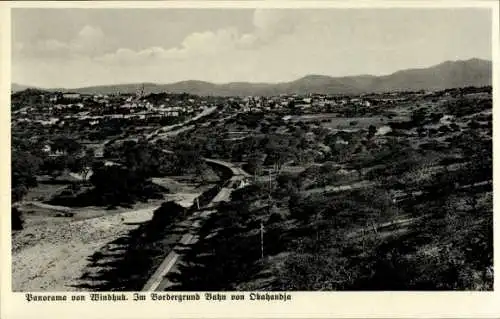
(175, 129)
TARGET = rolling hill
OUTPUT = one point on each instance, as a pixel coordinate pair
(19, 87)
(449, 74)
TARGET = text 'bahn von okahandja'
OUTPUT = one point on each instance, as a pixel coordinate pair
(176, 297)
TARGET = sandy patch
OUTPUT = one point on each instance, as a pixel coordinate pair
(183, 199)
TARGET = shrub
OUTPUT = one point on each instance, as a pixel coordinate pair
(167, 212)
(275, 218)
(16, 219)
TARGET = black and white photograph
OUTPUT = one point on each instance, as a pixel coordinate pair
(259, 149)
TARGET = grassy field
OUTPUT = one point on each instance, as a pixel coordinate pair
(44, 192)
(332, 121)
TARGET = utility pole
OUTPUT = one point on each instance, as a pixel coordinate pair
(261, 240)
(270, 181)
(198, 203)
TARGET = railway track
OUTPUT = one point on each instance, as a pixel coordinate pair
(159, 281)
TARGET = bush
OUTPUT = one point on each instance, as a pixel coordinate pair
(18, 192)
(454, 127)
(166, 213)
(113, 186)
(275, 218)
(247, 194)
(16, 219)
(444, 129)
(302, 208)
(418, 116)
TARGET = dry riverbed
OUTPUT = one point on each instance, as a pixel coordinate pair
(51, 253)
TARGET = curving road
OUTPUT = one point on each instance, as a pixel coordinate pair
(236, 170)
(175, 129)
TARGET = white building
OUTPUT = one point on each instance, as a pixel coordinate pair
(71, 96)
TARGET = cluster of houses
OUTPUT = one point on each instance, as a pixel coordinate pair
(56, 108)
(296, 102)
(60, 108)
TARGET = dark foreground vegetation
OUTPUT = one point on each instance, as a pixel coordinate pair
(441, 240)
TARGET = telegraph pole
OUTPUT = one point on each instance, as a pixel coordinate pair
(261, 240)
(270, 181)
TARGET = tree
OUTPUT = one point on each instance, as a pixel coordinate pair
(25, 167)
(435, 117)
(278, 151)
(371, 131)
(16, 219)
(18, 192)
(247, 194)
(361, 161)
(287, 184)
(301, 208)
(254, 164)
(421, 131)
(418, 116)
(116, 185)
(66, 144)
(87, 161)
(165, 215)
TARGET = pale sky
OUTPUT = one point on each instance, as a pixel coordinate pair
(83, 47)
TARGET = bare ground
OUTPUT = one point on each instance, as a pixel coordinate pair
(52, 253)
(52, 256)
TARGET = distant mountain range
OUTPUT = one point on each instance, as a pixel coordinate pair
(449, 74)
